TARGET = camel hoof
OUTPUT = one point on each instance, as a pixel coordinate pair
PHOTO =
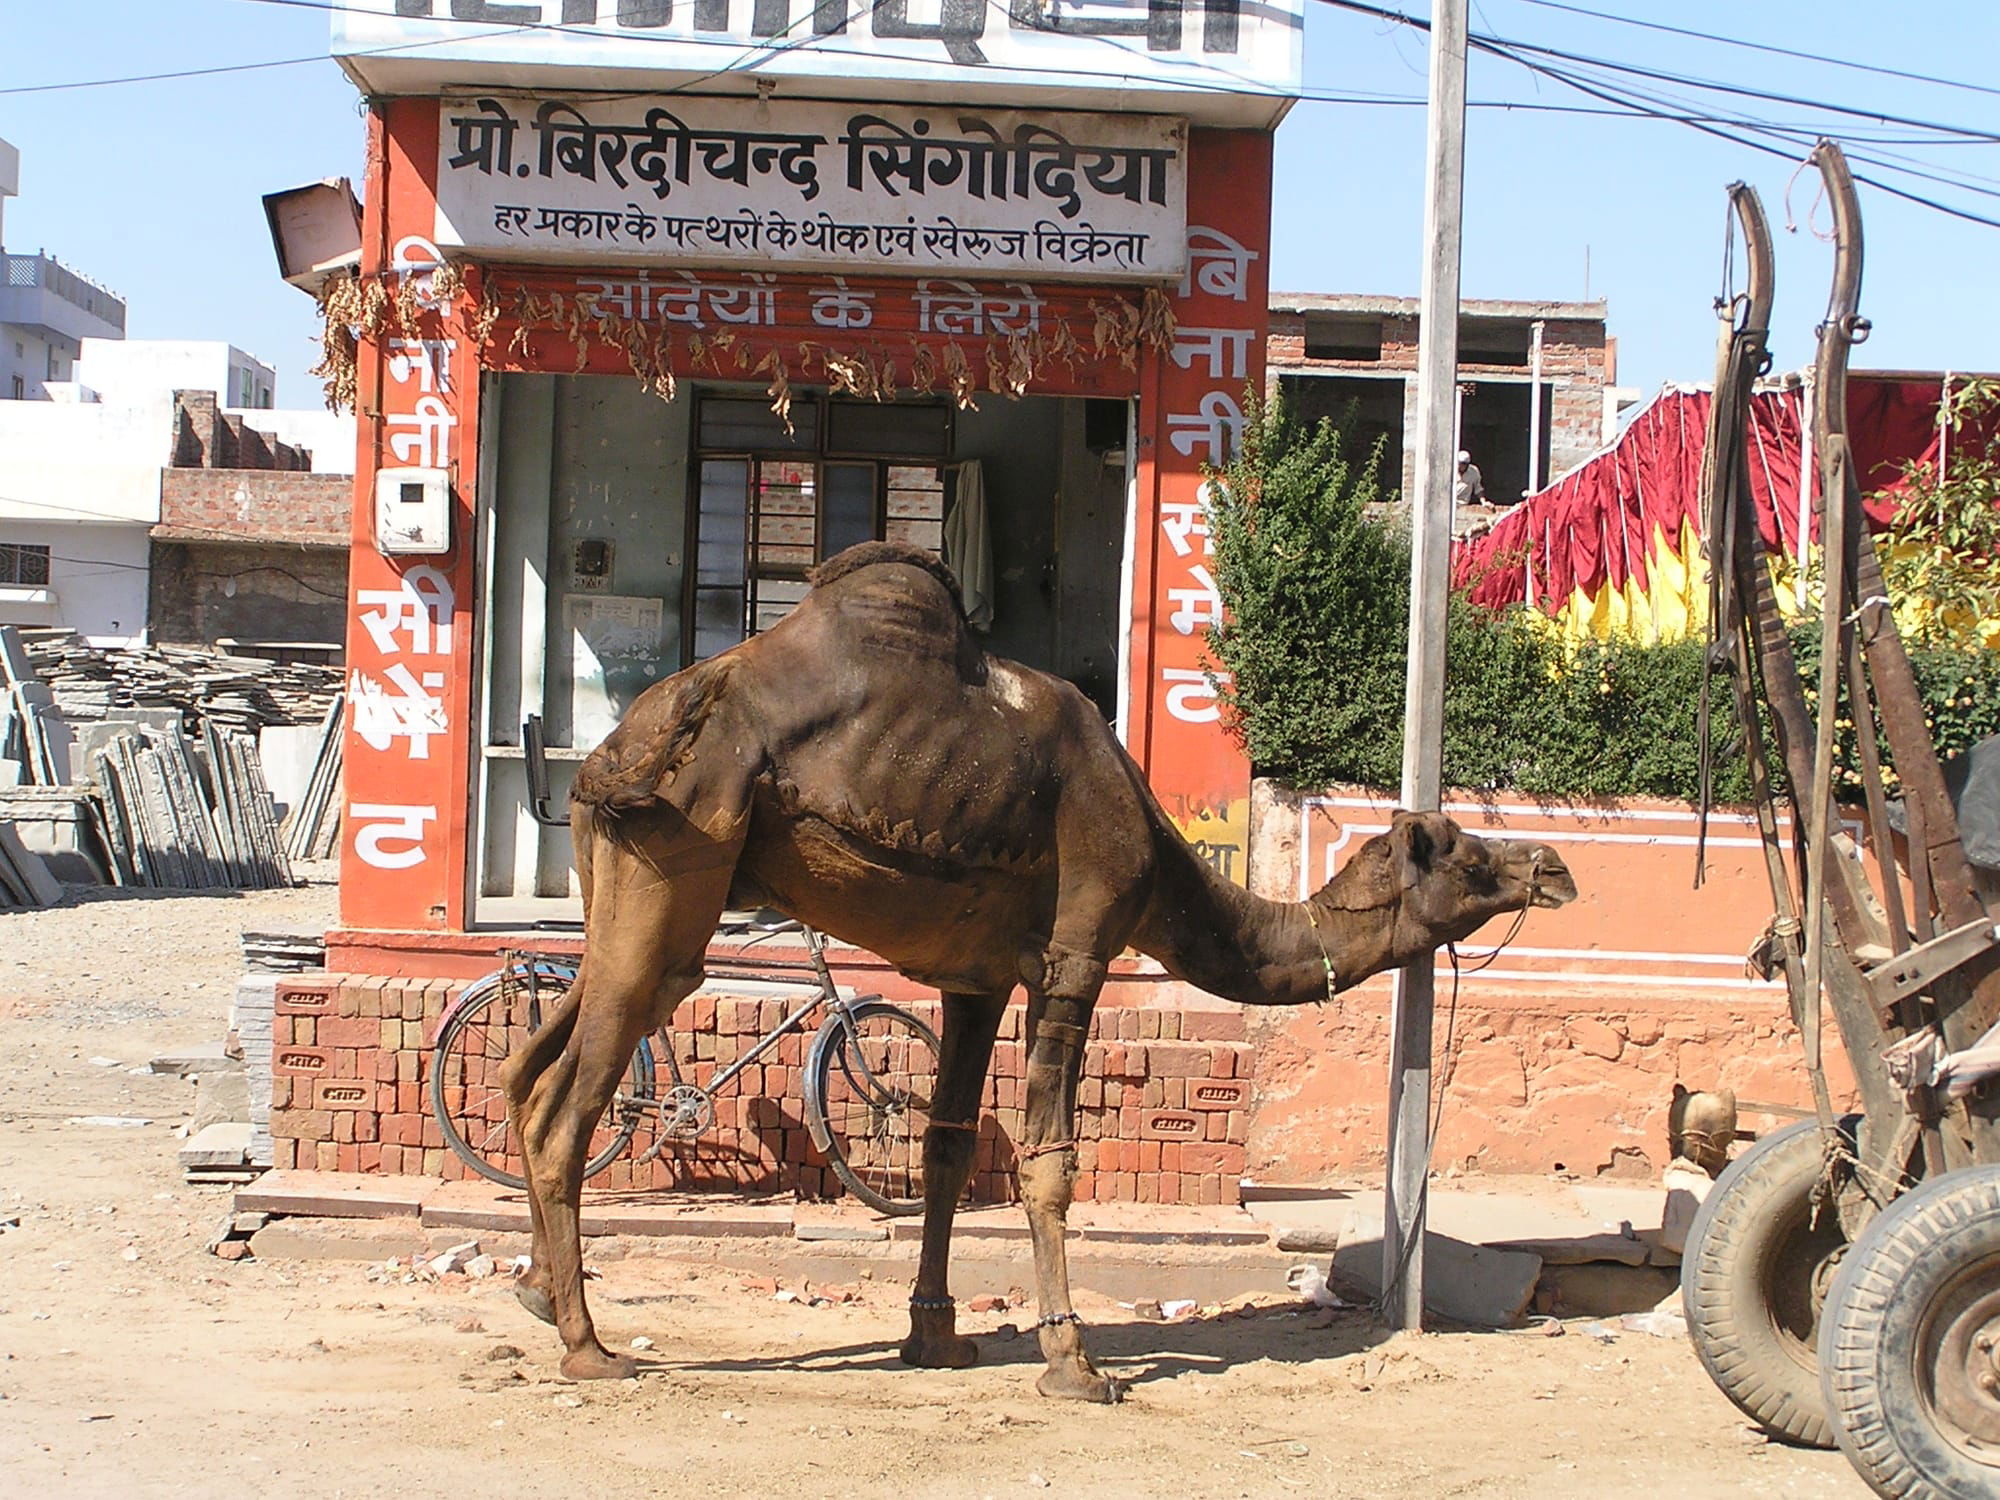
(536, 1300)
(951, 1351)
(1068, 1383)
(598, 1364)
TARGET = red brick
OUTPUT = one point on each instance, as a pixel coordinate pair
(1169, 1124)
(1177, 1060)
(306, 1062)
(347, 1031)
(343, 1094)
(1223, 1158)
(1218, 1093)
(304, 997)
(1214, 1025)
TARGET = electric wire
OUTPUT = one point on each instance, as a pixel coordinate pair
(1766, 47)
(1489, 42)
(1632, 99)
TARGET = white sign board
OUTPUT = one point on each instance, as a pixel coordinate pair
(706, 181)
(1231, 60)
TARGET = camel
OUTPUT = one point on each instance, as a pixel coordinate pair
(865, 767)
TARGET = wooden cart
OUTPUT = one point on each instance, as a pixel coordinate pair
(1842, 1281)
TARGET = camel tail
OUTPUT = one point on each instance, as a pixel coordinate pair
(634, 767)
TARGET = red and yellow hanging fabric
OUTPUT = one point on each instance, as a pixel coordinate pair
(1613, 548)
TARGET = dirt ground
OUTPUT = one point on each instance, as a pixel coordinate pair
(133, 1363)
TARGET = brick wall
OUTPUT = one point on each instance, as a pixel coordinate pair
(1574, 364)
(203, 592)
(258, 504)
(1164, 1104)
(206, 437)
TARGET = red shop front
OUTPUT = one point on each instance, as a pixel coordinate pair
(630, 360)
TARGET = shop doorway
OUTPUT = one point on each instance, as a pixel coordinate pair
(624, 538)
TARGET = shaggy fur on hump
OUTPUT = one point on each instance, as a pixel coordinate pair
(867, 554)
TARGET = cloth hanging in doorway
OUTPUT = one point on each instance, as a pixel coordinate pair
(968, 546)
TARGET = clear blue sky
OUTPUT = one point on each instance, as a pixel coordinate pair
(154, 188)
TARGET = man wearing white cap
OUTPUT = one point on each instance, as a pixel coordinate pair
(1470, 490)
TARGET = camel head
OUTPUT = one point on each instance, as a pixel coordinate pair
(1446, 883)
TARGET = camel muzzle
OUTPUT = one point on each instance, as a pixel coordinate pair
(1550, 883)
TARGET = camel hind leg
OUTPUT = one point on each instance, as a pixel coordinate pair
(655, 891)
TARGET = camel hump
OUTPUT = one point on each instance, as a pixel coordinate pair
(868, 554)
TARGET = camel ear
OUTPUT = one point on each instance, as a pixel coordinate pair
(1410, 835)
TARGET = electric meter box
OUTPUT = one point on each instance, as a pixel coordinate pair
(412, 512)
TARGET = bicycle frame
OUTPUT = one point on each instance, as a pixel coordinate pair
(827, 994)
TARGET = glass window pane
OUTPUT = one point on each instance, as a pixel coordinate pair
(776, 598)
(916, 506)
(888, 428)
(747, 422)
(787, 517)
(850, 507)
(718, 620)
(723, 521)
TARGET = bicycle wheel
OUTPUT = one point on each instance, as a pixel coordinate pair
(466, 1097)
(868, 1101)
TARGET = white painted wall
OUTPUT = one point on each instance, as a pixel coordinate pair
(97, 578)
(127, 371)
(62, 462)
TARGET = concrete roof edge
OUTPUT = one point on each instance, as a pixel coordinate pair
(1595, 311)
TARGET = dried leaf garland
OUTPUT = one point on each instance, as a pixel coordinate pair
(354, 310)
(1156, 321)
(780, 388)
(958, 378)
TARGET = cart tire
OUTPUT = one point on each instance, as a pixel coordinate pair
(1900, 1344)
(1753, 1277)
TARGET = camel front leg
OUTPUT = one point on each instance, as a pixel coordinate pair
(1058, 1027)
(646, 936)
(965, 1053)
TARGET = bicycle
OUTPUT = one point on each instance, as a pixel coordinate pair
(869, 1073)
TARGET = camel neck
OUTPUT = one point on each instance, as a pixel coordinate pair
(1209, 931)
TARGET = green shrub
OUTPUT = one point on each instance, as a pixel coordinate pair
(1317, 584)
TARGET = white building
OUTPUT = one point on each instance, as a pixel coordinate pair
(120, 371)
(47, 310)
(79, 496)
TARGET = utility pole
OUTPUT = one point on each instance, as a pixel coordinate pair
(1423, 720)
